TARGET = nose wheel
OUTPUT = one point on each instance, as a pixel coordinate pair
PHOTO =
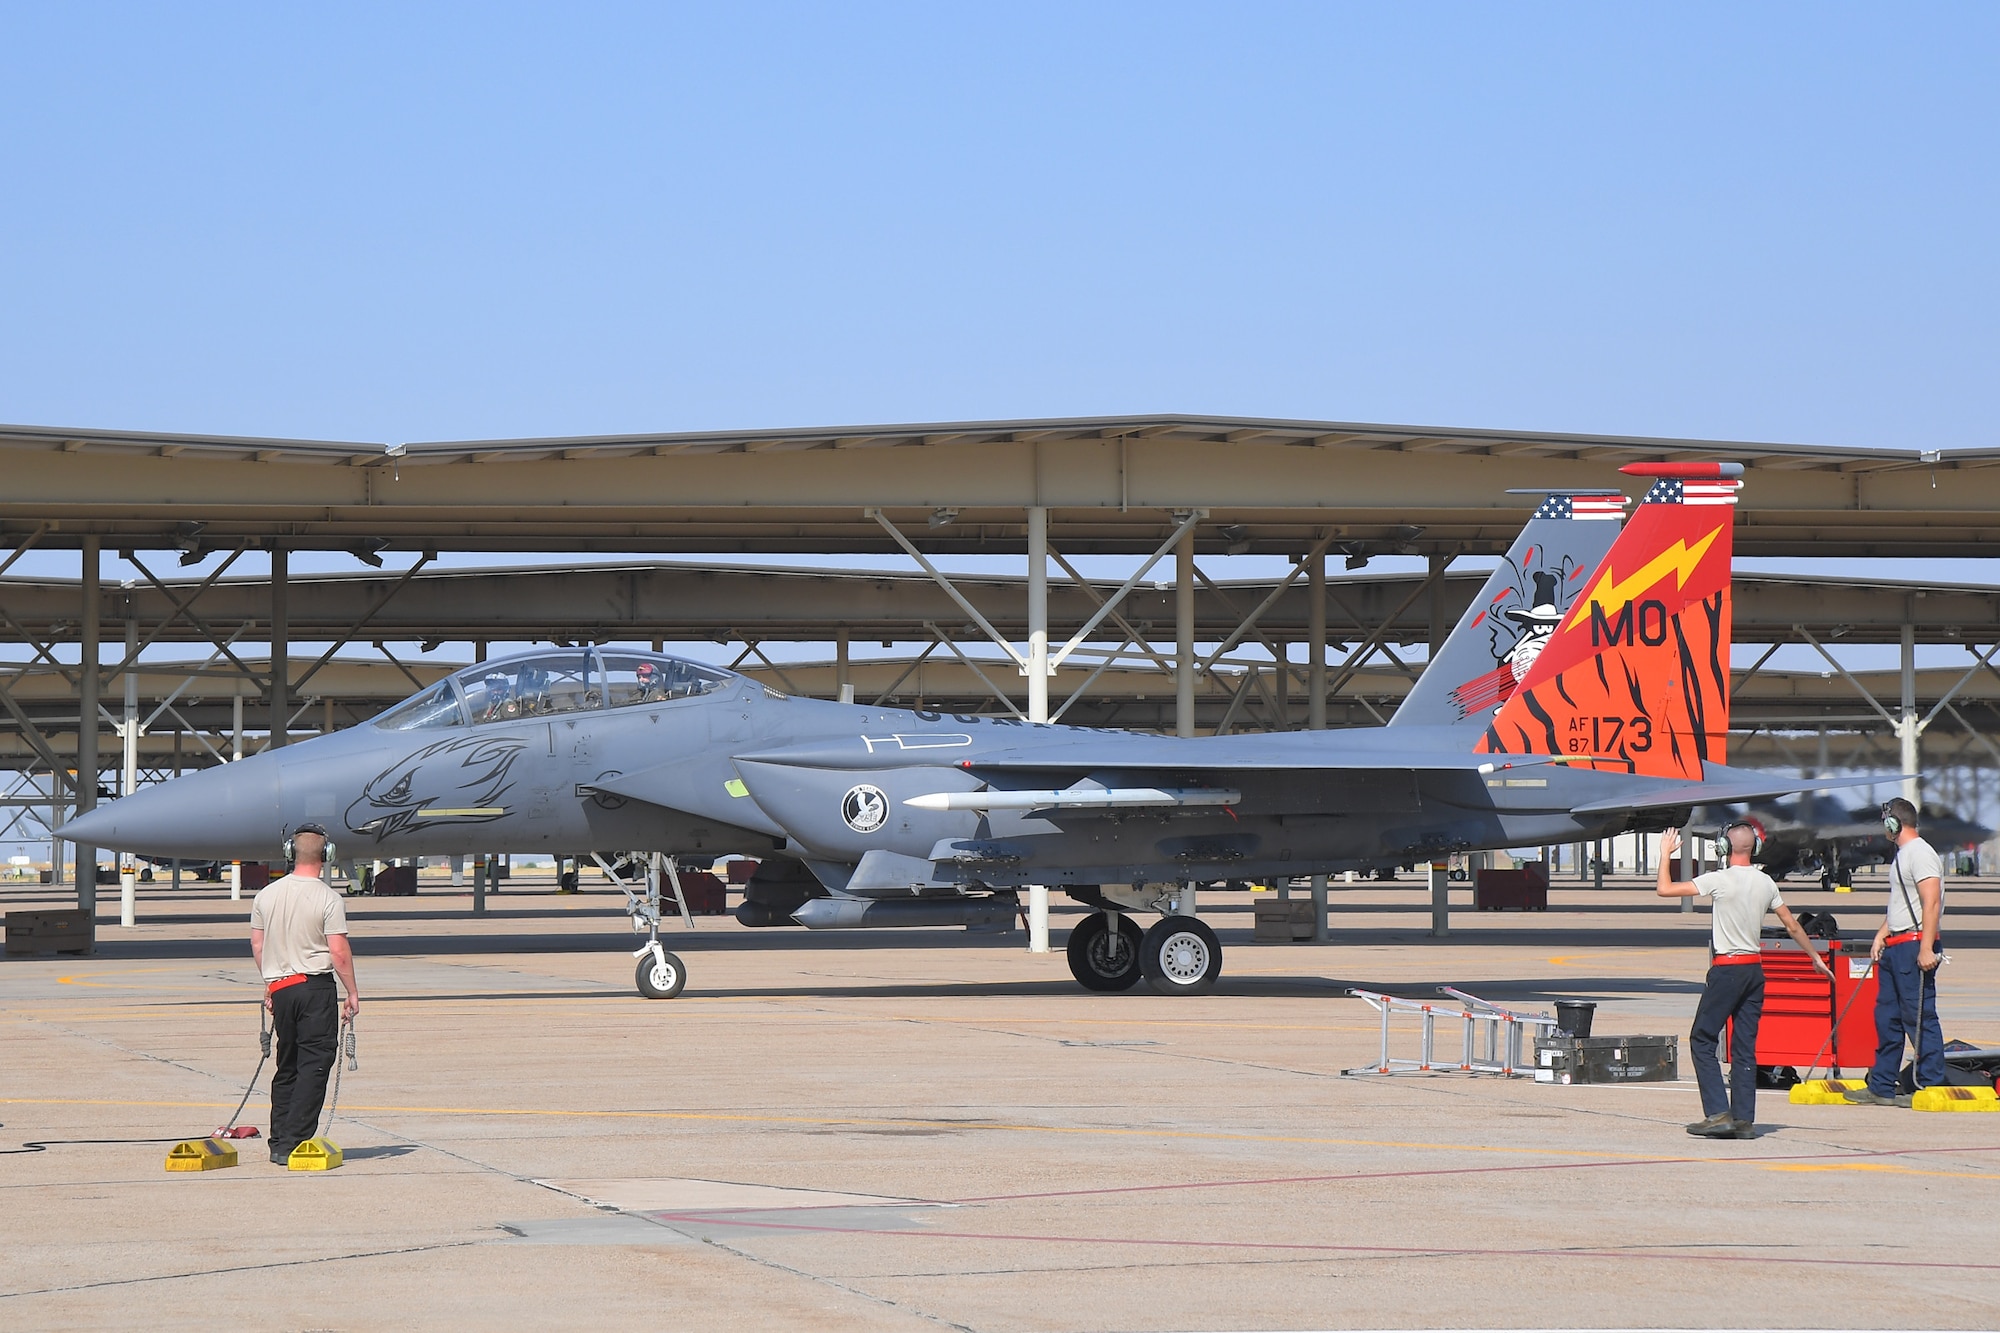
(1102, 959)
(1180, 956)
(662, 975)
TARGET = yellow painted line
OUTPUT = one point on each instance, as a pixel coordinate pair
(1886, 1168)
(1663, 954)
(91, 978)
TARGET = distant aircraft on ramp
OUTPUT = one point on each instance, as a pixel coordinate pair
(1824, 838)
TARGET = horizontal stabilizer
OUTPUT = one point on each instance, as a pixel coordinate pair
(1727, 784)
(1074, 798)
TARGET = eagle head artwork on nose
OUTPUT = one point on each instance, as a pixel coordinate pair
(460, 781)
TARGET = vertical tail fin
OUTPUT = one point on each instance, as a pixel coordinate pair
(1636, 678)
(1495, 642)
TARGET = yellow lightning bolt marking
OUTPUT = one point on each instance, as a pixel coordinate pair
(1679, 559)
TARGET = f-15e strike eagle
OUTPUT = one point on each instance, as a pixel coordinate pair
(1584, 694)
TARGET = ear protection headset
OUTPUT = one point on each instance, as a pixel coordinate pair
(291, 853)
(1890, 824)
(1756, 834)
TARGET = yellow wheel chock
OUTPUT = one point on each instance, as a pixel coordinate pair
(315, 1155)
(201, 1155)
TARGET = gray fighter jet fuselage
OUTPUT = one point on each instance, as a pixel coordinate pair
(737, 768)
(1614, 721)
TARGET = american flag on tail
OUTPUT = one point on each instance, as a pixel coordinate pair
(1693, 491)
(1606, 504)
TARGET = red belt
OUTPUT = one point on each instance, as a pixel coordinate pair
(1903, 938)
(1736, 959)
(273, 987)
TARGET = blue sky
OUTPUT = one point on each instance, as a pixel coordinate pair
(418, 222)
(386, 223)
(424, 222)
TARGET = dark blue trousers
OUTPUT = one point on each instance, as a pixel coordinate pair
(1735, 991)
(1897, 1014)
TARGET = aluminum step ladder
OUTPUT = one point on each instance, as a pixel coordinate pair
(1493, 1039)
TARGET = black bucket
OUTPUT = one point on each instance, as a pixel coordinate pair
(1573, 1017)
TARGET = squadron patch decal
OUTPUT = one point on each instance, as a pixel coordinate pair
(865, 808)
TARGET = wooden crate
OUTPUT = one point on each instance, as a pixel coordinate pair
(1526, 889)
(706, 895)
(43, 934)
(1282, 920)
(396, 882)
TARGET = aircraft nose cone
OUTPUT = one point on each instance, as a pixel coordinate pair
(224, 813)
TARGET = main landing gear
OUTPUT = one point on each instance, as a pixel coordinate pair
(1180, 956)
(1176, 955)
(1103, 959)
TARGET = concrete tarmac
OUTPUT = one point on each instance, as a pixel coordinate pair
(929, 1129)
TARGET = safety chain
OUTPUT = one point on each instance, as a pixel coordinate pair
(344, 1044)
(264, 1035)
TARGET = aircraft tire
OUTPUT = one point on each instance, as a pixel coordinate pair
(1180, 956)
(1088, 960)
(662, 983)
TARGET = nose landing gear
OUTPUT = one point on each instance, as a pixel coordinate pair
(661, 975)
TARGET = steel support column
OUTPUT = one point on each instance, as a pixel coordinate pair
(1184, 580)
(1038, 614)
(1316, 643)
(55, 832)
(1438, 627)
(1909, 730)
(86, 727)
(1038, 687)
(281, 633)
(128, 778)
(843, 682)
(1687, 869)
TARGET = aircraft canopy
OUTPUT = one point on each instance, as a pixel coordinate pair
(567, 680)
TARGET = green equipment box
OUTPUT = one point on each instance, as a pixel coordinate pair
(1607, 1059)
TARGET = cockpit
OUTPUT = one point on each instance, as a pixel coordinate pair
(546, 684)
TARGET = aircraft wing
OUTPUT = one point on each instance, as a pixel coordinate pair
(1722, 784)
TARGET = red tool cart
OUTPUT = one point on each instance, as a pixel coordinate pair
(1801, 1008)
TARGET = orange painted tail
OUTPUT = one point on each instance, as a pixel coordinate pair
(1636, 679)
